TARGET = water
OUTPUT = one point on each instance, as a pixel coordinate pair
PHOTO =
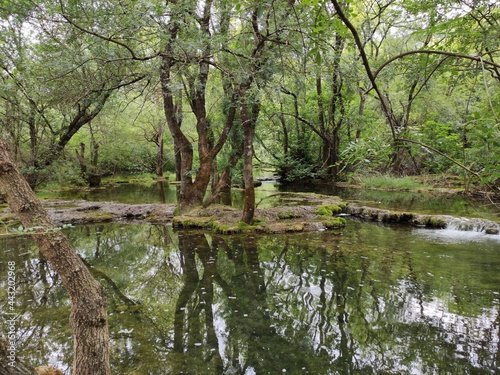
(157, 192)
(268, 195)
(367, 300)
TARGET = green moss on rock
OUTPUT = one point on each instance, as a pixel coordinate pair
(288, 214)
(334, 223)
(329, 210)
(192, 222)
(220, 228)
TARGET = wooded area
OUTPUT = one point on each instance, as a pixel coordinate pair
(313, 89)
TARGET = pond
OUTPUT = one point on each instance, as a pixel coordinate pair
(367, 299)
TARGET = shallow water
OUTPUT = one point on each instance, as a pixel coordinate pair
(267, 196)
(365, 300)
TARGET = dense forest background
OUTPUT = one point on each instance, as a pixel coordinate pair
(203, 89)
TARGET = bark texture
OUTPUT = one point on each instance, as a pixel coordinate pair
(88, 314)
(249, 198)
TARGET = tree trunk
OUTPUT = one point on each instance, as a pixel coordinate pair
(286, 146)
(249, 197)
(88, 171)
(160, 156)
(331, 152)
(178, 162)
(88, 313)
(224, 181)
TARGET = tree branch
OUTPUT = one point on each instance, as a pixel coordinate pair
(106, 38)
(449, 54)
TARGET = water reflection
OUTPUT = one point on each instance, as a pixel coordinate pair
(372, 300)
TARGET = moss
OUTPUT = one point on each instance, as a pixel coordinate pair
(281, 227)
(177, 211)
(288, 214)
(220, 228)
(329, 210)
(334, 223)
(257, 225)
(258, 221)
(9, 219)
(121, 308)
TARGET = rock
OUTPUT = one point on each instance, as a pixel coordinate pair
(491, 231)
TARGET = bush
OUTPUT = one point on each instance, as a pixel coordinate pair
(292, 169)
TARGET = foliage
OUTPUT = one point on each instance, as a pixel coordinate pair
(292, 169)
(365, 155)
(485, 138)
(444, 138)
(83, 72)
(65, 172)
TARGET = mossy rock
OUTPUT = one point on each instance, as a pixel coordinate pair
(288, 214)
(284, 227)
(334, 223)
(192, 222)
(434, 222)
(239, 227)
(328, 210)
(397, 217)
(220, 228)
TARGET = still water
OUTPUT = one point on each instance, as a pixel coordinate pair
(364, 300)
(269, 195)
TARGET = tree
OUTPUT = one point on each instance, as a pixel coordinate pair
(88, 314)
(399, 122)
(217, 62)
(54, 82)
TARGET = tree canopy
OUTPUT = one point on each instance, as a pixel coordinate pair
(313, 89)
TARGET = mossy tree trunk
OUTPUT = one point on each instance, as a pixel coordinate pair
(88, 313)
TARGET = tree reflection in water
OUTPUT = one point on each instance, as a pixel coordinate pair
(372, 300)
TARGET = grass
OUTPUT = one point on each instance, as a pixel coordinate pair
(140, 178)
(390, 182)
